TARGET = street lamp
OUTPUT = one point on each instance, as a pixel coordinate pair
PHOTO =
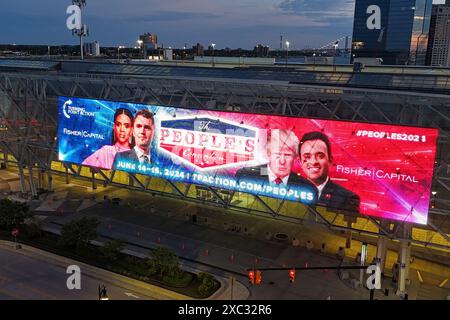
(213, 45)
(118, 53)
(102, 295)
(287, 51)
(314, 65)
(334, 55)
(433, 199)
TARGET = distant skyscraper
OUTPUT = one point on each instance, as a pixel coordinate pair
(261, 51)
(199, 50)
(149, 42)
(439, 44)
(92, 48)
(149, 38)
(394, 30)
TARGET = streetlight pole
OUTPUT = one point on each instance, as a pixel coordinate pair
(334, 56)
(118, 53)
(314, 65)
(213, 45)
(232, 279)
(287, 52)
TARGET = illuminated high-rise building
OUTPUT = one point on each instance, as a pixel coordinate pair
(439, 44)
(394, 30)
(92, 48)
(149, 38)
(149, 43)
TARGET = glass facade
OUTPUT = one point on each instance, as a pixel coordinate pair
(403, 34)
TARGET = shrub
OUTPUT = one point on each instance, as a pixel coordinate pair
(182, 280)
(207, 285)
(111, 250)
(33, 230)
(77, 233)
(12, 213)
(164, 262)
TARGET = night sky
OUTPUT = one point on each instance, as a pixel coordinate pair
(228, 23)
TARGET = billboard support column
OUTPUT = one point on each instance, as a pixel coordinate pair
(381, 252)
(22, 179)
(94, 181)
(407, 234)
(32, 184)
(404, 255)
(40, 181)
(49, 181)
(401, 289)
(67, 174)
(348, 240)
(349, 234)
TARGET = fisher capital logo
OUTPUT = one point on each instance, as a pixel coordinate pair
(68, 109)
(207, 143)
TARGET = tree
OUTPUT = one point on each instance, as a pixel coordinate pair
(13, 214)
(164, 262)
(207, 283)
(112, 249)
(33, 228)
(77, 233)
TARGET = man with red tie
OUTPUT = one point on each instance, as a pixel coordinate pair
(316, 159)
(282, 151)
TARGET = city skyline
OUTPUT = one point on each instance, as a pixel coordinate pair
(235, 25)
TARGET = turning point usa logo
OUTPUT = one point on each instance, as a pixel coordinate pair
(207, 143)
(68, 109)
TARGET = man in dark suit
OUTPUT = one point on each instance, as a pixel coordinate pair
(143, 132)
(282, 148)
(315, 157)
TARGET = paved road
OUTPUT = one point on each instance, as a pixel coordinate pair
(28, 278)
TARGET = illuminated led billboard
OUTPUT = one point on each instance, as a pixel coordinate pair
(355, 168)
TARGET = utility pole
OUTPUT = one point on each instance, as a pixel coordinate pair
(232, 279)
(287, 52)
(83, 31)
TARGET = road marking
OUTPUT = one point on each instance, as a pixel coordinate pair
(420, 276)
(132, 295)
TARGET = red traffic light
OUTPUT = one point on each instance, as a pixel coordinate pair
(292, 275)
(251, 277)
(15, 232)
(258, 277)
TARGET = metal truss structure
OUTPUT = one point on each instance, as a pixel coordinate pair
(28, 113)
